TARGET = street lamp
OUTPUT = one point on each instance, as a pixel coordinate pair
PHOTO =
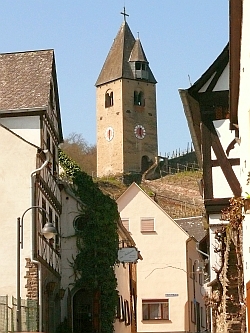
(48, 231)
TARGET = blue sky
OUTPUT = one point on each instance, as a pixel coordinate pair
(181, 39)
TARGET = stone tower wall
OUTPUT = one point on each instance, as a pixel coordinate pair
(123, 153)
(145, 115)
(109, 153)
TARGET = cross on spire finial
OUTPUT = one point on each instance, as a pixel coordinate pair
(124, 13)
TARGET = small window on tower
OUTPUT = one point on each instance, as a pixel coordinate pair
(137, 66)
(109, 99)
(139, 98)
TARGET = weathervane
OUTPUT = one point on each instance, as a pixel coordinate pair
(124, 13)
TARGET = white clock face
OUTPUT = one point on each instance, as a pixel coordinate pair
(109, 134)
(140, 132)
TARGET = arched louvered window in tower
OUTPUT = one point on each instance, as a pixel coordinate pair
(109, 99)
(139, 98)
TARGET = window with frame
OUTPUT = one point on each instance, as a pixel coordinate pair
(147, 225)
(157, 309)
(125, 223)
(139, 98)
(195, 273)
(50, 215)
(200, 278)
(203, 317)
(54, 166)
(190, 268)
(43, 212)
(109, 99)
(193, 312)
(140, 66)
(127, 313)
(48, 142)
(57, 235)
(120, 313)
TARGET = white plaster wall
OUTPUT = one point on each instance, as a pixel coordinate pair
(223, 82)
(27, 127)
(244, 127)
(163, 269)
(18, 160)
(244, 100)
(214, 260)
(221, 186)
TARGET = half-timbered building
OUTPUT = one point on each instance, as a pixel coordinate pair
(30, 132)
(211, 109)
(239, 115)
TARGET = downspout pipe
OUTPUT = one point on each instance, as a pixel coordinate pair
(188, 289)
(33, 230)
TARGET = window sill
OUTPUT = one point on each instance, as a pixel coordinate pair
(153, 321)
(139, 108)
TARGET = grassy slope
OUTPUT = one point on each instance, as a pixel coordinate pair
(177, 194)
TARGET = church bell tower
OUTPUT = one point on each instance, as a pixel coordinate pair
(126, 108)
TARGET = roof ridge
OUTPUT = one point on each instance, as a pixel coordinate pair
(29, 51)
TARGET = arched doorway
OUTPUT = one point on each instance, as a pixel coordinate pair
(82, 312)
(145, 163)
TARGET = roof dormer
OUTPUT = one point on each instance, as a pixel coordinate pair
(139, 62)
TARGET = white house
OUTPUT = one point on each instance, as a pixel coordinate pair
(169, 288)
(242, 61)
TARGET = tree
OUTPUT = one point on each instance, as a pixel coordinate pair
(79, 150)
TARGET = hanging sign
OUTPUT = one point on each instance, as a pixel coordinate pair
(128, 254)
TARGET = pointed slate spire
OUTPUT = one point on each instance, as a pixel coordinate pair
(118, 62)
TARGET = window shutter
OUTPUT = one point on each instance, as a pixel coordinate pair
(125, 223)
(147, 225)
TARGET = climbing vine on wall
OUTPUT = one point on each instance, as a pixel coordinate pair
(227, 300)
(97, 241)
